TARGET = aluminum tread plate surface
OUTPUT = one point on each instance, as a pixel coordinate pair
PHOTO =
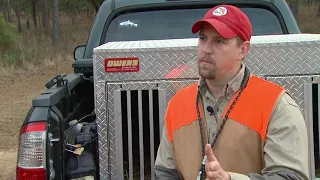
(170, 86)
(282, 59)
(294, 85)
(279, 55)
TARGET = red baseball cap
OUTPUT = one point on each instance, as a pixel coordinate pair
(229, 22)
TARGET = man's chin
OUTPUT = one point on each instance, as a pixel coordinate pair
(209, 78)
(207, 75)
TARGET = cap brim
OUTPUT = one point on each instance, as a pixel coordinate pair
(220, 27)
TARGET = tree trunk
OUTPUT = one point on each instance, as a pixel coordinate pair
(34, 13)
(4, 10)
(318, 14)
(44, 13)
(297, 10)
(55, 28)
(18, 15)
(294, 6)
(96, 4)
(9, 11)
(39, 14)
(74, 13)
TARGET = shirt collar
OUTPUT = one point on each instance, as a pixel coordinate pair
(230, 89)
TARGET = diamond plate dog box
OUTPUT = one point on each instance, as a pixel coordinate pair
(133, 81)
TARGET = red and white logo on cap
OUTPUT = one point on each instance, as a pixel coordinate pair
(220, 11)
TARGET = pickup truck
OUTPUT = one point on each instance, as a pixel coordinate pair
(61, 137)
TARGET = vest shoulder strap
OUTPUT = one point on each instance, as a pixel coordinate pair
(256, 104)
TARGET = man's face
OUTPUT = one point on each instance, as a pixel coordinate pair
(217, 56)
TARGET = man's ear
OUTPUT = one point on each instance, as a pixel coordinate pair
(244, 49)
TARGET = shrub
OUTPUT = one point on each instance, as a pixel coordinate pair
(9, 54)
(10, 59)
(7, 34)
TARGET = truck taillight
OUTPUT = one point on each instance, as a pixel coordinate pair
(31, 164)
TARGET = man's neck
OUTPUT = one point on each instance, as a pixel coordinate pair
(217, 86)
(215, 89)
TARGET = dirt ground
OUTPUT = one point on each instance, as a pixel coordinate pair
(16, 94)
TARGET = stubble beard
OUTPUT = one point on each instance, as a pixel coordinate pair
(207, 71)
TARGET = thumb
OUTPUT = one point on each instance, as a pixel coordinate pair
(209, 153)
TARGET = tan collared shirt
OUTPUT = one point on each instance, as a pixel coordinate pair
(218, 105)
(286, 141)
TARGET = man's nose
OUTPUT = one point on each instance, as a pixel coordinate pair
(207, 48)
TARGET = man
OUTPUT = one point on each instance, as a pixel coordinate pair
(231, 125)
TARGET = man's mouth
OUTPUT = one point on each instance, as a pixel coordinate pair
(206, 62)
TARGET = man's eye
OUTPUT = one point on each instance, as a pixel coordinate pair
(219, 41)
(202, 38)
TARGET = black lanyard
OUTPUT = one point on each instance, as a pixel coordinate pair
(244, 83)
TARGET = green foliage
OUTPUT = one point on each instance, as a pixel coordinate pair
(8, 53)
(10, 58)
(7, 34)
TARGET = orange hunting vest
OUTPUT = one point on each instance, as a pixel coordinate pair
(239, 147)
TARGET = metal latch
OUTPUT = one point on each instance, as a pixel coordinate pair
(52, 140)
(58, 79)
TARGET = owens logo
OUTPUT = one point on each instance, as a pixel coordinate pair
(118, 63)
(121, 64)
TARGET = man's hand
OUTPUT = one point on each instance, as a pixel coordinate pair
(213, 168)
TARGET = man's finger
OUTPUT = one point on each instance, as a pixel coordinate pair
(212, 166)
(212, 170)
(210, 175)
(209, 153)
